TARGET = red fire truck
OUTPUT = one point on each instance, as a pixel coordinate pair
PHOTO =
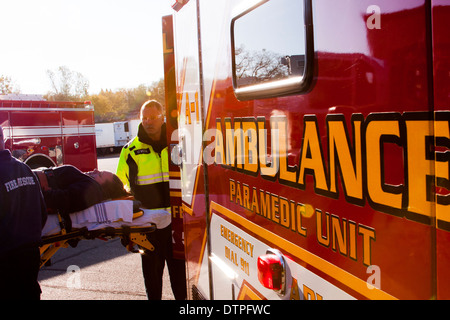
(47, 133)
(313, 142)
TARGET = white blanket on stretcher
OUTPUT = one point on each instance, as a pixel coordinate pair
(116, 213)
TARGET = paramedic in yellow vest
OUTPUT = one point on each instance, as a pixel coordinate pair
(144, 169)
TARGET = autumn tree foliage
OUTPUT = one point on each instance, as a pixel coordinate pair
(123, 104)
(109, 105)
(7, 85)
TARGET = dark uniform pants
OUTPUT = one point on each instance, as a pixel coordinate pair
(153, 263)
(19, 275)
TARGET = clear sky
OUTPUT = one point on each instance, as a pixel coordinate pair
(113, 43)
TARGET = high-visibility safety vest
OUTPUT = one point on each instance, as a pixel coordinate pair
(146, 173)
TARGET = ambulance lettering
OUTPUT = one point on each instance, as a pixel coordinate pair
(242, 144)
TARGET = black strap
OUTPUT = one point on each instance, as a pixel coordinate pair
(51, 178)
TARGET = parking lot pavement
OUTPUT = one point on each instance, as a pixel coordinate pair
(94, 270)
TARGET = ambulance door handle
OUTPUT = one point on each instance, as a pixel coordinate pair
(182, 147)
(176, 154)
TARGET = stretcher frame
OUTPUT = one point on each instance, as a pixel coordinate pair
(130, 235)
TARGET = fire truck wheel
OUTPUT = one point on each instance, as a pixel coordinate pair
(39, 162)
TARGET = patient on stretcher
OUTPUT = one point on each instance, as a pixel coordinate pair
(86, 200)
(66, 189)
(115, 214)
(93, 205)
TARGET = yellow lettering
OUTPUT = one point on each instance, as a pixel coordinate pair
(442, 132)
(250, 146)
(232, 190)
(311, 158)
(219, 150)
(274, 207)
(374, 132)
(419, 167)
(309, 294)
(187, 110)
(197, 114)
(175, 211)
(340, 154)
(368, 235)
(234, 145)
(285, 218)
(255, 205)
(301, 211)
(295, 293)
(339, 235)
(246, 196)
(352, 239)
(285, 174)
(165, 48)
(266, 169)
(238, 194)
(265, 204)
(323, 240)
(293, 215)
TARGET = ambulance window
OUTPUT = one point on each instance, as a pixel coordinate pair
(272, 49)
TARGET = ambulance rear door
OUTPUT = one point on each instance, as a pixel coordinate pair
(191, 116)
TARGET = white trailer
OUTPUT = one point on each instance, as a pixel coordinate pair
(104, 136)
(133, 126)
(112, 136)
(121, 133)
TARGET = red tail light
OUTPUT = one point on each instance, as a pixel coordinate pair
(271, 271)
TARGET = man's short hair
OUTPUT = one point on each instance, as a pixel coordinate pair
(152, 103)
(114, 189)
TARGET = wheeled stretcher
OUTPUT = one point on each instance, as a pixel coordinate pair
(105, 220)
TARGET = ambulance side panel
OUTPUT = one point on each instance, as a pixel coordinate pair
(336, 175)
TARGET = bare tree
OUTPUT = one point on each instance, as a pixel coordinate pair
(67, 85)
(258, 66)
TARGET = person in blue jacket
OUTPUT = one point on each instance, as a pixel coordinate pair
(22, 215)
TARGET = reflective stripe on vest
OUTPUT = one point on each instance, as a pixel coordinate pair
(149, 167)
(152, 178)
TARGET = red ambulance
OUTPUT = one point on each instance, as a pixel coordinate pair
(310, 147)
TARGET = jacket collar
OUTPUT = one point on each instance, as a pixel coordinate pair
(157, 146)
